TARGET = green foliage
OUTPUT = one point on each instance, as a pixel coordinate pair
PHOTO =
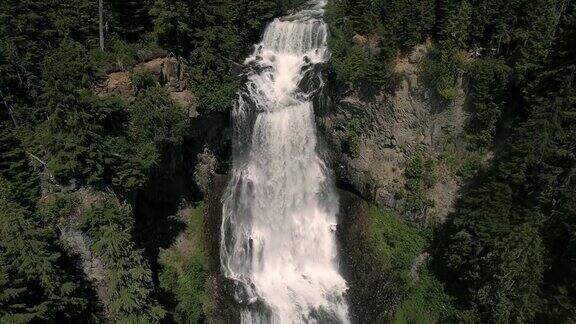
(442, 65)
(56, 206)
(131, 162)
(394, 241)
(454, 27)
(508, 251)
(217, 95)
(155, 118)
(129, 19)
(440, 75)
(123, 55)
(447, 93)
(50, 65)
(15, 166)
(388, 26)
(130, 296)
(65, 70)
(510, 242)
(488, 78)
(34, 285)
(415, 168)
(499, 262)
(352, 143)
(426, 302)
(392, 287)
(97, 141)
(209, 36)
(142, 79)
(420, 177)
(74, 136)
(354, 64)
(185, 272)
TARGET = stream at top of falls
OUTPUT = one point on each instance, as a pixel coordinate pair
(278, 240)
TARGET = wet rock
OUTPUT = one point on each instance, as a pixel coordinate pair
(236, 68)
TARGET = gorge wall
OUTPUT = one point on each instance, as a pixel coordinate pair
(389, 131)
(398, 157)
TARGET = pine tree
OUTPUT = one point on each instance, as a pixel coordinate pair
(15, 166)
(130, 19)
(34, 285)
(130, 296)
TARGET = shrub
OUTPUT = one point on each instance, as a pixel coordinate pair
(130, 295)
(448, 93)
(142, 79)
(420, 177)
(398, 245)
(488, 79)
(352, 144)
(184, 273)
(155, 118)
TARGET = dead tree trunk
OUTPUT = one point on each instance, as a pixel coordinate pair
(101, 22)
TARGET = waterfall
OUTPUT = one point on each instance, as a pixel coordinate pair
(278, 240)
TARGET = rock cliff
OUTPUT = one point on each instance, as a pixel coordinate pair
(390, 131)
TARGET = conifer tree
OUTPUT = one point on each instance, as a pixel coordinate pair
(34, 286)
(130, 296)
(15, 165)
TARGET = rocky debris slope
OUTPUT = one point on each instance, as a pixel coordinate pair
(390, 131)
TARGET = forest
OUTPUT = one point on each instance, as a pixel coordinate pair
(76, 165)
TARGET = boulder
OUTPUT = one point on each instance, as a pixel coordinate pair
(187, 100)
(118, 84)
(360, 40)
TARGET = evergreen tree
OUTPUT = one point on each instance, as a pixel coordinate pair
(522, 213)
(74, 136)
(130, 19)
(34, 286)
(130, 296)
(15, 166)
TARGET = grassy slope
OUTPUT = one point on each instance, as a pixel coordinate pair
(397, 245)
(184, 271)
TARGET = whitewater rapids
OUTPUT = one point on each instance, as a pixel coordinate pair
(278, 239)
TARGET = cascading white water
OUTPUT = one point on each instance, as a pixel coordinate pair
(279, 215)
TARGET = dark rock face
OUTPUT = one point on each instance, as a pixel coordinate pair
(225, 309)
(393, 128)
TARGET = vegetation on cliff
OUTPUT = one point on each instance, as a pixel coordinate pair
(58, 135)
(507, 253)
(184, 275)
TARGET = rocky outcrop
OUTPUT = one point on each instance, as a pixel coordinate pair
(79, 244)
(207, 131)
(167, 71)
(394, 128)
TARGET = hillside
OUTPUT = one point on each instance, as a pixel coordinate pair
(446, 127)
